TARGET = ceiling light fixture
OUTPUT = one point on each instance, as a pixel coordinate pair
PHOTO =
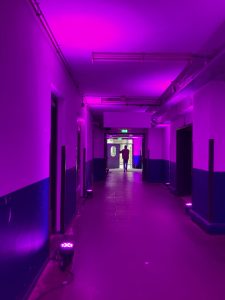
(139, 56)
(126, 100)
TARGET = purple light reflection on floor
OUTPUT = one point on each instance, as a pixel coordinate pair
(134, 241)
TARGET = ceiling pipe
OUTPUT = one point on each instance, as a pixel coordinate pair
(142, 56)
(39, 13)
(184, 80)
(123, 100)
(139, 101)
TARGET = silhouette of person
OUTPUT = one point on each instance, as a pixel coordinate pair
(125, 156)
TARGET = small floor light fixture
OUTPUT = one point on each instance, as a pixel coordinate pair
(66, 250)
(188, 206)
(89, 193)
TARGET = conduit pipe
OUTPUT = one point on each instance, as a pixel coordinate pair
(39, 13)
(142, 57)
(184, 80)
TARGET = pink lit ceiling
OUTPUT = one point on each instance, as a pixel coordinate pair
(144, 26)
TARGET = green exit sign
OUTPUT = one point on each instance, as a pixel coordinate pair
(124, 131)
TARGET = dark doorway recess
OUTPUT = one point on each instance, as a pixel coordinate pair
(210, 178)
(184, 161)
(63, 188)
(84, 172)
(78, 159)
(53, 162)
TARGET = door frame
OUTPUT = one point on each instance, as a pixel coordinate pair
(143, 135)
(53, 168)
(182, 187)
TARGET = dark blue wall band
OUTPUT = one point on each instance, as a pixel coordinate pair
(137, 161)
(213, 228)
(99, 169)
(211, 218)
(70, 196)
(24, 229)
(200, 192)
(89, 174)
(172, 175)
(156, 170)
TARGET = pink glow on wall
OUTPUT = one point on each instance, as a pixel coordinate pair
(137, 142)
(159, 78)
(167, 142)
(163, 125)
(156, 140)
(87, 30)
(201, 129)
(29, 242)
(209, 115)
(154, 86)
(189, 108)
(26, 243)
(29, 78)
(153, 25)
(217, 117)
(127, 120)
(92, 100)
(82, 31)
(88, 134)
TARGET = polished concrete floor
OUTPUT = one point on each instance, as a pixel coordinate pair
(134, 241)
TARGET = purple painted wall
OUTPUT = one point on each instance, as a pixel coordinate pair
(209, 113)
(99, 161)
(127, 120)
(181, 121)
(98, 140)
(156, 143)
(30, 75)
(155, 166)
(89, 134)
(137, 152)
(177, 113)
(85, 123)
(137, 142)
(167, 143)
(208, 206)
(30, 71)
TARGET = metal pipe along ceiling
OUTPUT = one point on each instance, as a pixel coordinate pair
(184, 79)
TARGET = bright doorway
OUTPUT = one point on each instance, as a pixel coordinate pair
(114, 158)
(116, 143)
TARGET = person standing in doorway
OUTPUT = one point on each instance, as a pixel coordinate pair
(125, 156)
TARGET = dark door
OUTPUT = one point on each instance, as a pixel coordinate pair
(145, 156)
(78, 158)
(63, 188)
(113, 156)
(184, 161)
(84, 172)
(53, 162)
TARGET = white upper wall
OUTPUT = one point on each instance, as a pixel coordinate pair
(127, 120)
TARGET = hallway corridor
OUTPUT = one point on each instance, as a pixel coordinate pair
(133, 241)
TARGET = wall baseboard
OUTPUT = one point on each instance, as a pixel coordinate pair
(213, 228)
